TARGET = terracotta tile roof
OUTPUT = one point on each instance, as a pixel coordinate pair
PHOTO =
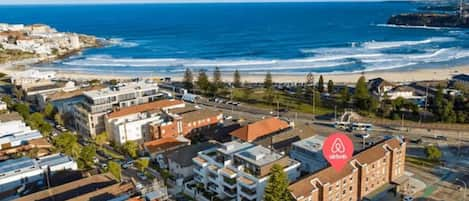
(304, 187)
(163, 144)
(157, 105)
(260, 128)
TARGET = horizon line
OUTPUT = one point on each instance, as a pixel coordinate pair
(123, 2)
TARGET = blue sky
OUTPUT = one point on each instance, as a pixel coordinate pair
(147, 1)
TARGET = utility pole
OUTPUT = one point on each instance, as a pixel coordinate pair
(465, 188)
(402, 122)
(335, 113)
(426, 99)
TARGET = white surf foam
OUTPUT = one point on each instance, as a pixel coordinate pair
(375, 45)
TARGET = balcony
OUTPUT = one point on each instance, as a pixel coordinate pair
(228, 172)
(212, 187)
(248, 194)
(247, 182)
(229, 182)
(229, 192)
(199, 161)
(213, 169)
(198, 171)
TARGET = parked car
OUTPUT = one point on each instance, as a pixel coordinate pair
(362, 135)
(441, 137)
(408, 198)
(416, 141)
(227, 117)
(141, 176)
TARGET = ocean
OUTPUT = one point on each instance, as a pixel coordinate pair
(284, 38)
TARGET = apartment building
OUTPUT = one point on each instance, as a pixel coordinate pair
(240, 170)
(367, 171)
(184, 121)
(17, 172)
(309, 153)
(89, 114)
(14, 132)
(132, 123)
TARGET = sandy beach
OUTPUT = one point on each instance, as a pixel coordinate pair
(396, 75)
(393, 76)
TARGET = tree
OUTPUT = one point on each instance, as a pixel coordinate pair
(344, 96)
(247, 91)
(299, 93)
(202, 81)
(330, 86)
(101, 138)
(49, 110)
(217, 80)
(277, 186)
(68, 144)
(237, 79)
(268, 84)
(321, 84)
(32, 153)
(87, 155)
(22, 109)
(141, 164)
(58, 119)
(188, 79)
(363, 100)
(36, 121)
(19, 94)
(433, 153)
(115, 169)
(130, 148)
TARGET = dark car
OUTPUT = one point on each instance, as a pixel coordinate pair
(417, 141)
(441, 137)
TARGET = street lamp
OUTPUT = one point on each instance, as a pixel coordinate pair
(465, 188)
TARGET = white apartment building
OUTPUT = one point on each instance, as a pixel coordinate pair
(16, 133)
(309, 153)
(31, 76)
(17, 172)
(133, 123)
(240, 171)
(89, 114)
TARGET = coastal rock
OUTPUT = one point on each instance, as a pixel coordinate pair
(429, 20)
(40, 43)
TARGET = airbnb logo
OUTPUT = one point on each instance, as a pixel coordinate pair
(338, 149)
(338, 146)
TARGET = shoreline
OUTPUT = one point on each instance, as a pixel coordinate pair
(396, 75)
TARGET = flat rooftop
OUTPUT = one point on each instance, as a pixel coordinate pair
(233, 147)
(123, 88)
(259, 155)
(313, 143)
(13, 116)
(12, 165)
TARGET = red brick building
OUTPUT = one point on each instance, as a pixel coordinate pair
(367, 171)
(186, 123)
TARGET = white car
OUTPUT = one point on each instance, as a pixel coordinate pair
(408, 198)
(228, 117)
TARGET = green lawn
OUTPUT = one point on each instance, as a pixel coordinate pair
(112, 154)
(421, 161)
(257, 98)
